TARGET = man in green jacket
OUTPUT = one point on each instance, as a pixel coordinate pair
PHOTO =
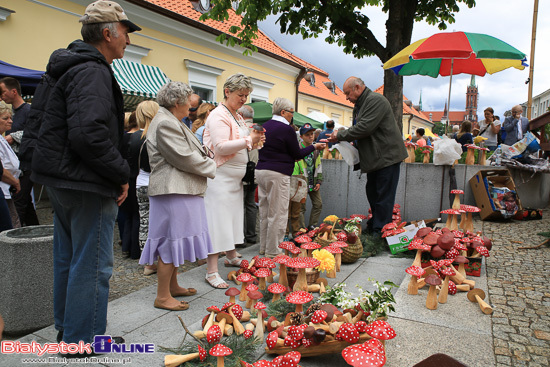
(381, 149)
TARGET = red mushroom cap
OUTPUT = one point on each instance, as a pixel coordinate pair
(380, 330)
(265, 262)
(310, 246)
(348, 332)
(213, 309)
(319, 316)
(452, 287)
(415, 270)
(340, 244)
(359, 355)
(262, 363)
(431, 279)
(255, 295)
(276, 288)
(389, 226)
(361, 326)
(271, 340)
(458, 234)
(286, 245)
(262, 273)
(483, 250)
(291, 342)
(251, 287)
(232, 291)
(457, 191)
(334, 250)
(244, 278)
(303, 263)
(213, 334)
(237, 311)
(360, 216)
(342, 236)
(260, 306)
(202, 353)
(460, 246)
(299, 297)
(307, 342)
(244, 264)
(220, 350)
(452, 253)
(470, 209)
(296, 332)
(450, 211)
(302, 239)
(418, 244)
(227, 305)
(448, 271)
(281, 259)
(290, 359)
(248, 334)
(461, 260)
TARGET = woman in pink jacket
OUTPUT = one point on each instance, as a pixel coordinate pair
(228, 137)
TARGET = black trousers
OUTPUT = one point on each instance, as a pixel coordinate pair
(23, 201)
(381, 189)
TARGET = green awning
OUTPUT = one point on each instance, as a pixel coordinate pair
(263, 112)
(138, 82)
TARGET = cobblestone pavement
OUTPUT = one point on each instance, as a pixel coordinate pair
(518, 282)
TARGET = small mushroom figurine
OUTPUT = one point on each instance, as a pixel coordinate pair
(302, 263)
(443, 293)
(381, 330)
(232, 292)
(415, 272)
(431, 301)
(308, 247)
(282, 259)
(426, 153)
(244, 278)
(259, 332)
(262, 274)
(418, 245)
(276, 289)
(360, 355)
(299, 298)
(456, 201)
(220, 351)
(477, 295)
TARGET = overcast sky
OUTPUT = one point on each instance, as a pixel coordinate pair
(510, 20)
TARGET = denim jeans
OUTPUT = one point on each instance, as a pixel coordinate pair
(381, 189)
(83, 262)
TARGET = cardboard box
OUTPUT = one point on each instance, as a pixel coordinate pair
(500, 178)
(400, 242)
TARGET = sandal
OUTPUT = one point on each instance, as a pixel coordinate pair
(236, 262)
(217, 282)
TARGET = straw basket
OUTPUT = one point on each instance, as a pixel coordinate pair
(353, 252)
(311, 275)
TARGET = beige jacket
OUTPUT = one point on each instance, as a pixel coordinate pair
(178, 162)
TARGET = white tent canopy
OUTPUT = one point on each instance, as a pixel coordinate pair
(321, 117)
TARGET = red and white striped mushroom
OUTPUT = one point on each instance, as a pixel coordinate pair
(415, 272)
(299, 298)
(220, 351)
(302, 263)
(276, 289)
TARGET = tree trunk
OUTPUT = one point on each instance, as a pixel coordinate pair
(393, 91)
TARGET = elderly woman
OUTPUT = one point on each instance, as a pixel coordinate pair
(273, 172)
(9, 161)
(227, 135)
(145, 112)
(178, 230)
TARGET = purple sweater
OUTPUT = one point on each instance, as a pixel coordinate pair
(281, 149)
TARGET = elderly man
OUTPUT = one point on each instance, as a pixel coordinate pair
(515, 126)
(194, 102)
(78, 110)
(380, 146)
(275, 166)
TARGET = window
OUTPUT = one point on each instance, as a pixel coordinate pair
(203, 79)
(261, 90)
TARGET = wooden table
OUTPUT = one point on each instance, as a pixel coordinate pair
(541, 122)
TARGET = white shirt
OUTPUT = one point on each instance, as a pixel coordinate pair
(488, 133)
(280, 119)
(10, 162)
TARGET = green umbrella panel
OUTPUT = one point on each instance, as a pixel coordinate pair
(263, 113)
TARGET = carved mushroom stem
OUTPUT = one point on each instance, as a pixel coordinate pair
(242, 296)
(454, 224)
(456, 202)
(262, 285)
(331, 273)
(276, 297)
(482, 155)
(426, 157)
(462, 270)
(448, 222)
(338, 258)
(299, 308)
(444, 290)
(259, 332)
(282, 275)
(470, 157)
(417, 259)
(431, 300)
(469, 224)
(301, 281)
(462, 220)
(413, 285)
(237, 326)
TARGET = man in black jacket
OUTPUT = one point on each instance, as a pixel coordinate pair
(78, 113)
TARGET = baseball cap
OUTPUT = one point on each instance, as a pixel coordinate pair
(103, 11)
(306, 128)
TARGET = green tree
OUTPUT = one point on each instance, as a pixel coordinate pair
(438, 128)
(346, 23)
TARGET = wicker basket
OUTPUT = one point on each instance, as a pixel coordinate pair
(353, 252)
(311, 275)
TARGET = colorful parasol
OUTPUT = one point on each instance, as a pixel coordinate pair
(461, 52)
(454, 53)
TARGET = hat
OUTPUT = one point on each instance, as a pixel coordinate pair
(103, 11)
(306, 128)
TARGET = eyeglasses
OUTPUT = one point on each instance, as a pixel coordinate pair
(208, 151)
(292, 112)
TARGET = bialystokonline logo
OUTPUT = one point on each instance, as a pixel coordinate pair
(102, 344)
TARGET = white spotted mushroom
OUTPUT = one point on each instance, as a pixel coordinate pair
(299, 298)
(220, 351)
(361, 355)
(381, 330)
(302, 263)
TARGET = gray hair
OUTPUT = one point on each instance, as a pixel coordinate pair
(353, 81)
(93, 33)
(4, 107)
(173, 92)
(281, 104)
(246, 112)
(237, 82)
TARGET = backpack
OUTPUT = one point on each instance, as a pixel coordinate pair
(501, 136)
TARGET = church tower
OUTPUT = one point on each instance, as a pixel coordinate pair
(471, 101)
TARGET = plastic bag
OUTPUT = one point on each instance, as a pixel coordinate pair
(348, 152)
(446, 151)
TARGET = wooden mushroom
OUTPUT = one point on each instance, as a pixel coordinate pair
(469, 223)
(299, 298)
(477, 295)
(259, 332)
(470, 155)
(276, 289)
(176, 360)
(415, 272)
(302, 263)
(249, 288)
(244, 278)
(262, 274)
(445, 287)
(418, 245)
(220, 351)
(232, 292)
(431, 300)
(456, 201)
(282, 260)
(482, 156)
(426, 153)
